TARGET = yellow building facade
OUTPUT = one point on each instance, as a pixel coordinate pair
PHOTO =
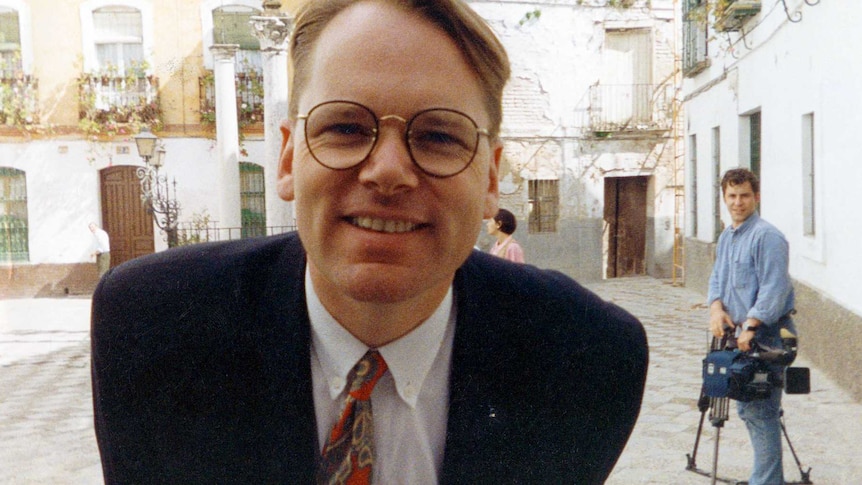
(78, 81)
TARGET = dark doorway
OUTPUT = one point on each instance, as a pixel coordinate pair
(625, 217)
(124, 217)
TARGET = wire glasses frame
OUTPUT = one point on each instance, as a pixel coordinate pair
(441, 142)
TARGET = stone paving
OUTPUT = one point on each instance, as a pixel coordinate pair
(825, 427)
(46, 432)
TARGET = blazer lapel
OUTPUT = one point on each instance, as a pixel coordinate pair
(287, 348)
(477, 424)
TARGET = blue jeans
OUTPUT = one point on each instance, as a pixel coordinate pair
(763, 420)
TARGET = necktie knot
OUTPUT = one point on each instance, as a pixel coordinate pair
(365, 374)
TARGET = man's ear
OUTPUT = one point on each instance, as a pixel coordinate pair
(284, 184)
(492, 196)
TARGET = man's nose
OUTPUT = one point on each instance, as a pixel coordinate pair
(389, 168)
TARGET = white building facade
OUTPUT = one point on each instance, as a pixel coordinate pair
(590, 134)
(774, 86)
(590, 131)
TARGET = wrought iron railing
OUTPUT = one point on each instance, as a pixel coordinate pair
(107, 101)
(630, 107)
(249, 97)
(196, 232)
(19, 104)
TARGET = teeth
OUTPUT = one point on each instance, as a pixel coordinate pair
(381, 225)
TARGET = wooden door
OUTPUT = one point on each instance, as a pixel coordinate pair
(625, 215)
(127, 222)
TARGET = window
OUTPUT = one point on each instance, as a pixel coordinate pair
(694, 37)
(544, 198)
(809, 226)
(10, 43)
(13, 216)
(692, 162)
(118, 38)
(716, 184)
(253, 200)
(231, 26)
(754, 128)
(19, 103)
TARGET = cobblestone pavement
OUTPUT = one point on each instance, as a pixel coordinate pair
(46, 432)
(825, 427)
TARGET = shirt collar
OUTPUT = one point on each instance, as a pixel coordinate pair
(752, 220)
(409, 358)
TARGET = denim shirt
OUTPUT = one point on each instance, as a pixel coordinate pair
(751, 276)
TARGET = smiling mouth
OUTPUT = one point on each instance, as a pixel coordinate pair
(383, 225)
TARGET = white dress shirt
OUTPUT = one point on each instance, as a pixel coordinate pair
(410, 402)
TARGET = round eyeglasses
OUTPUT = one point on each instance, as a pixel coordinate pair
(342, 134)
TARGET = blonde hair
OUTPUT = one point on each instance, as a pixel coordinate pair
(481, 48)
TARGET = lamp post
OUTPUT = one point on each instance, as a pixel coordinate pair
(155, 189)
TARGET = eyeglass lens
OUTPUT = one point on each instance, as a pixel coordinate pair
(341, 135)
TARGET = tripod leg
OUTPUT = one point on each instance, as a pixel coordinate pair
(703, 405)
(692, 458)
(715, 455)
(805, 474)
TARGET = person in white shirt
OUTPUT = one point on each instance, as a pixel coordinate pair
(101, 248)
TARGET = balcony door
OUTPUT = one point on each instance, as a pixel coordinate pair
(628, 72)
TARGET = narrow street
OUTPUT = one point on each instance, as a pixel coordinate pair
(46, 431)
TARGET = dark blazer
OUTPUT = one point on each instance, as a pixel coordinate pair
(201, 373)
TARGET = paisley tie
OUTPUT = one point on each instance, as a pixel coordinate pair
(349, 452)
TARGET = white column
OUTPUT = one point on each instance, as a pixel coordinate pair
(273, 30)
(227, 137)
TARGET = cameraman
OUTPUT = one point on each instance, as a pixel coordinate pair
(751, 293)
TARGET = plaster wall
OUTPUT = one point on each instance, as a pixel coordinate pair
(63, 191)
(788, 70)
(823, 83)
(555, 58)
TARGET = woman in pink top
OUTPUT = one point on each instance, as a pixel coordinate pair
(502, 226)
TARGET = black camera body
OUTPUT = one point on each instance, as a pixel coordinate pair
(748, 376)
(737, 375)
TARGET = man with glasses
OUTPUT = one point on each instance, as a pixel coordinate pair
(373, 344)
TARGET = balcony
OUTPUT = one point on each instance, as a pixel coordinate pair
(630, 108)
(19, 105)
(249, 98)
(112, 104)
(730, 15)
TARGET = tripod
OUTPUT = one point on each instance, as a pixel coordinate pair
(719, 413)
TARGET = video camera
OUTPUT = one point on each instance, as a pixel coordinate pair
(748, 376)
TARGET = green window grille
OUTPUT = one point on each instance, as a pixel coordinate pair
(544, 198)
(14, 244)
(253, 199)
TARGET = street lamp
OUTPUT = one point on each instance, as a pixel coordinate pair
(155, 189)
